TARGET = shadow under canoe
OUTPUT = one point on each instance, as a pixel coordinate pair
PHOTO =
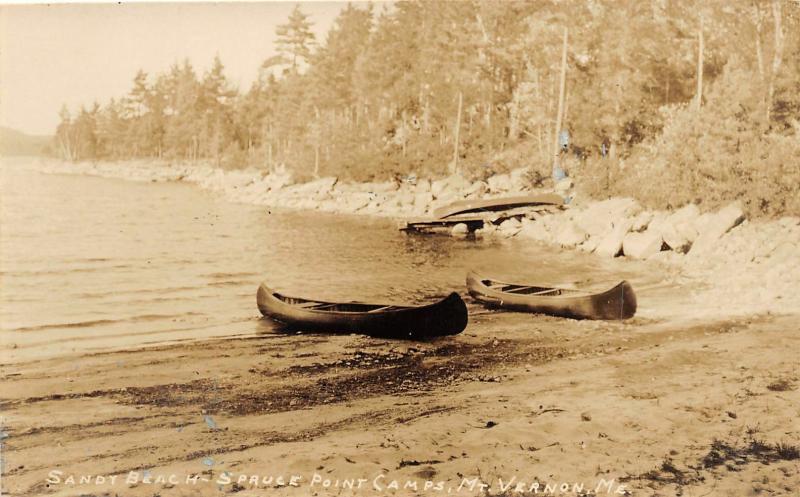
(445, 317)
(618, 302)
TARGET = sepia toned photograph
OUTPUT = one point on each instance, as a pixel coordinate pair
(476, 248)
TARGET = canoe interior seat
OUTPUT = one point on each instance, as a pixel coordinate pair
(530, 290)
(307, 305)
(384, 308)
(320, 306)
(518, 289)
(554, 291)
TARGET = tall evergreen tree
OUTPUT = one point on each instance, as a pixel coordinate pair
(295, 38)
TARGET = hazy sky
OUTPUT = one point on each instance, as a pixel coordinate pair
(76, 54)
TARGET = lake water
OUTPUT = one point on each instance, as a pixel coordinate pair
(90, 263)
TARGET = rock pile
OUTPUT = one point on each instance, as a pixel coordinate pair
(409, 197)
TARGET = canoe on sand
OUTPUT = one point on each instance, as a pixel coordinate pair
(618, 302)
(445, 317)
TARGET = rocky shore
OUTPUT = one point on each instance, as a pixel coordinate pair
(744, 266)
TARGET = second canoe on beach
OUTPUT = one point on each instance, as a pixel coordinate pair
(445, 317)
(618, 302)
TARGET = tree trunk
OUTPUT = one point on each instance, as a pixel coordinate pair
(539, 137)
(454, 167)
(700, 49)
(426, 117)
(777, 57)
(317, 140)
(759, 49)
(561, 90)
(405, 133)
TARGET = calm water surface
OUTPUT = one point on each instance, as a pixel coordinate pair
(91, 263)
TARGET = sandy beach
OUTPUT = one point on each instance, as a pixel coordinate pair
(643, 407)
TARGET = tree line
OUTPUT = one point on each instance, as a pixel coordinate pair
(475, 86)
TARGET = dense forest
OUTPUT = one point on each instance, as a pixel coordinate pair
(669, 101)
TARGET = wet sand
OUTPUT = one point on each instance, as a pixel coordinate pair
(661, 407)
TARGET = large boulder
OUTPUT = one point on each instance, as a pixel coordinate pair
(789, 222)
(509, 227)
(589, 245)
(404, 201)
(678, 230)
(460, 230)
(500, 183)
(376, 204)
(446, 199)
(233, 180)
(716, 226)
(317, 189)
(322, 185)
(657, 221)
(476, 190)
(519, 179)
(611, 244)
(355, 201)
(666, 257)
(786, 253)
(487, 231)
(455, 185)
(423, 186)
(570, 235)
(379, 187)
(276, 182)
(563, 185)
(422, 201)
(535, 230)
(642, 245)
(599, 218)
(700, 223)
(641, 221)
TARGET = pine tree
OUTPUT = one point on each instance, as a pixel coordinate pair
(64, 134)
(215, 104)
(295, 38)
(184, 112)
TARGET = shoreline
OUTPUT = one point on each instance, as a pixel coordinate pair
(748, 267)
(693, 401)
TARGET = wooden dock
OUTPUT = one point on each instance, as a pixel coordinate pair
(476, 220)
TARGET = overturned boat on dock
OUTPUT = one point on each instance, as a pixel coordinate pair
(474, 213)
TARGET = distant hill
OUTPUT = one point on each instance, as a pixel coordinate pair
(13, 142)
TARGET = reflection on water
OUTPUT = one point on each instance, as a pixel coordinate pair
(90, 263)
